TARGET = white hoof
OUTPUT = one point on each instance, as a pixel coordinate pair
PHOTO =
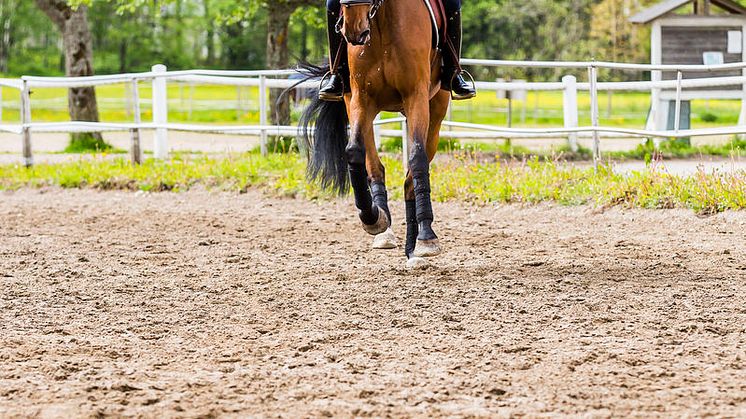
(385, 240)
(417, 263)
(380, 226)
(427, 248)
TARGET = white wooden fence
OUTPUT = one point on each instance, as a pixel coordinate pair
(264, 80)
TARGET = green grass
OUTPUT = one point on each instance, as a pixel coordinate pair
(460, 178)
(50, 104)
(677, 149)
(541, 109)
(673, 149)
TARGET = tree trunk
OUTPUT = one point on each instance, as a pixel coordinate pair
(278, 22)
(304, 41)
(123, 56)
(210, 36)
(6, 21)
(76, 39)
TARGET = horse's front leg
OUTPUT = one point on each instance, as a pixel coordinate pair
(377, 181)
(361, 152)
(421, 239)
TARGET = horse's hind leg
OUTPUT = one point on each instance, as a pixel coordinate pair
(361, 151)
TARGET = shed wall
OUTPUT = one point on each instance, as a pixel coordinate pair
(685, 45)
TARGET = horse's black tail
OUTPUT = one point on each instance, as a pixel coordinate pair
(324, 136)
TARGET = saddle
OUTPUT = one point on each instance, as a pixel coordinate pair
(438, 20)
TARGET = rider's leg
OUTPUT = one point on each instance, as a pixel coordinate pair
(334, 85)
(452, 75)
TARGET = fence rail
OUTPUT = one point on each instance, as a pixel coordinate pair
(267, 79)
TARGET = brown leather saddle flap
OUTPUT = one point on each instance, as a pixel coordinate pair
(439, 21)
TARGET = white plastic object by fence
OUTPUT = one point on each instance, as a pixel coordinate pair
(160, 112)
(28, 156)
(570, 109)
(404, 144)
(593, 77)
(263, 114)
(742, 115)
(136, 154)
(377, 132)
(677, 115)
(239, 103)
(191, 100)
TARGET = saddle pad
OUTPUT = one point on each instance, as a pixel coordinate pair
(438, 17)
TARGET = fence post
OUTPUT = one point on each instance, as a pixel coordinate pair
(191, 99)
(263, 113)
(570, 105)
(377, 132)
(28, 156)
(404, 144)
(593, 76)
(1, 104)
(160, 113)
(677, 108)
(136, 149)
(127, 99)
(239, 106)
(742, 115)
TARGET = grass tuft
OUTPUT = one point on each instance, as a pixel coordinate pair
(86, 142)
(459, 178)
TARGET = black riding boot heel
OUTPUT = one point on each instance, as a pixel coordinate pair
(453, 78)
(332, 87)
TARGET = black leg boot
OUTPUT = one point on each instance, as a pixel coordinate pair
(453, 78)
(333, 86)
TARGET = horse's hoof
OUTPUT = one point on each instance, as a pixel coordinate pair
(427, 248)
(417, 263)
(385, 240)
(380, 226)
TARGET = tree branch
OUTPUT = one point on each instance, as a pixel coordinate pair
(57, 10)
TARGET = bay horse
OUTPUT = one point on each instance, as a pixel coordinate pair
(394, 67)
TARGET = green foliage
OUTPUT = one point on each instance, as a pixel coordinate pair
(280, 144)
(87, 143)
(566, 153)
(394, 145)
(451, 145)
(461, 178)
(32, 38)
(673, 149)
(708, 117)
(131, 35)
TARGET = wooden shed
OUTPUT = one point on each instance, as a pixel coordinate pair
(694, 32)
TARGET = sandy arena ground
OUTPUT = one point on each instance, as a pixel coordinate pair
(208, 304)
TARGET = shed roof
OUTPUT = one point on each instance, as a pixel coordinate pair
(660, 9)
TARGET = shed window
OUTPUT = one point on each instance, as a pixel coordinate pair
(735, 42)
(713, 58)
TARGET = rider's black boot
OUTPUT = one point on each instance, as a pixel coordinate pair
(453, 78)
(333, 86)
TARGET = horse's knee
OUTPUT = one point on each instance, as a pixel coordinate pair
(355, 154)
